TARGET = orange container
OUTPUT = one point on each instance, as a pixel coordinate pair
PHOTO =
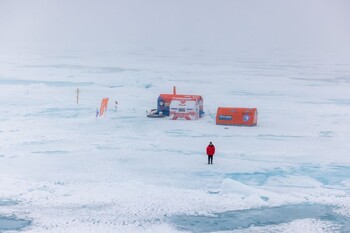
(236, 116)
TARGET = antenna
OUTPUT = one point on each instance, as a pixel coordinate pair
(77, 91)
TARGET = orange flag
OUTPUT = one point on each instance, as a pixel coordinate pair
(104, 105)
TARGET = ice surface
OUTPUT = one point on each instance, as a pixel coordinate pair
(12, 223)
(242, 219)
(68, 171)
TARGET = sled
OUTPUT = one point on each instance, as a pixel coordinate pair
(155, 114)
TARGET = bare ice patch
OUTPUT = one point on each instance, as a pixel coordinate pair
(47, 83)
(333, 175)
(51, 152)
(7, 202)
(12, 223)
(272, 216)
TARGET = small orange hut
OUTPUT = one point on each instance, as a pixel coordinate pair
(236, 116)
(164, 101)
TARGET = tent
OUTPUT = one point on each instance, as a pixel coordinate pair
(236, 116)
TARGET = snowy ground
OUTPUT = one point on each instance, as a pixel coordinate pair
(67, 171)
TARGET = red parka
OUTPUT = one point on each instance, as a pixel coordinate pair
(210, 150)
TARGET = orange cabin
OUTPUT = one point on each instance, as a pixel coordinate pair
(164, 100)
(236, 116)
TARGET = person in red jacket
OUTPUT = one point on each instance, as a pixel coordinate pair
(210, 152)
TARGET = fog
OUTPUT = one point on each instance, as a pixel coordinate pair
(224, 25)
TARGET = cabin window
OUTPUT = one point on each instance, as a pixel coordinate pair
(225, 117)
(182, 110)
(174, 109)
(189, 109)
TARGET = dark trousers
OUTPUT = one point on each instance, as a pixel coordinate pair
(210, 159)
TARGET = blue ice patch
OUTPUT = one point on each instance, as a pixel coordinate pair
(12, 223)
(261, 217)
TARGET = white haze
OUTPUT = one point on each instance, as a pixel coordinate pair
(67, 171)
(223, 25)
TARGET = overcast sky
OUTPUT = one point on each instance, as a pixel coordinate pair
(203, 24)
